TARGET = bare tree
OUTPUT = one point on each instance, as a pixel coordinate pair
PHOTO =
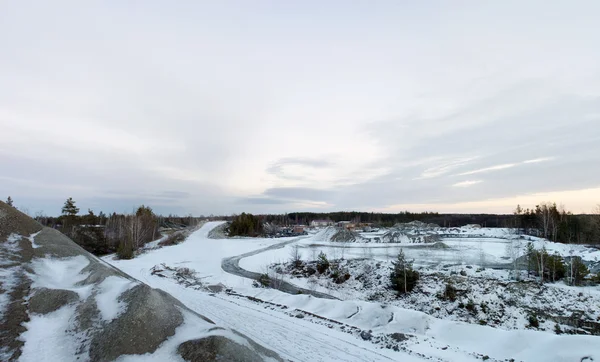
(296, 256)
(542, 253)
(513, 251)
(544, 215)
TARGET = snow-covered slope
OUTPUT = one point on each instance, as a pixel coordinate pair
(60, 303)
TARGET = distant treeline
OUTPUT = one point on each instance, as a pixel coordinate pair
(557, 224)
(545, 220)
(387, 220)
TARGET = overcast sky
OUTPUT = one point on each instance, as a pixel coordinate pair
(272, 106)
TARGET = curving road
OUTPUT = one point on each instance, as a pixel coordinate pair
(232, 265)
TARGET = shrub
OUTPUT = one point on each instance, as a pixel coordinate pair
(322, 263)
(533, 321)
(557, 329)
(173, 239)
(125, 250)
(449, 292)
(471, 307)
(264, 280)
(403, 277)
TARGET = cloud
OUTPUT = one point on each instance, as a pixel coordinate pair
(300, 193)
(261, 201)
(488, 169)
(467, 183)
(284, 168)
(537, 160)
(189, 113)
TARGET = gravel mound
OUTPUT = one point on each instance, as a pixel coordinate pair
(106, 313)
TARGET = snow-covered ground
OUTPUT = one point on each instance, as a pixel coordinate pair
(305, 328)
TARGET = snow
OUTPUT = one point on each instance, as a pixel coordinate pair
(48, 337)
(32, 240)
(61, 273)
(314, 339)
(107, 298)
(8, 274)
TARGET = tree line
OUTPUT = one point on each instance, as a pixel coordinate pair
(103, 234)
(390, 219)
(555, 223)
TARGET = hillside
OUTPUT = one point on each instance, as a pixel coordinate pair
(60, 303)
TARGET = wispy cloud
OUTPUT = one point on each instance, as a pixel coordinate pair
(440, 170)
(467, 183)
(538, 160)
(488, 169)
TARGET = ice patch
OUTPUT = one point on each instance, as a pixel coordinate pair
(47, 337)
(107, 299)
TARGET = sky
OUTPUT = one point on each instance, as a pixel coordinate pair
(219, 107)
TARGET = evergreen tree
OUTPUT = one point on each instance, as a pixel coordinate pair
(403, 278)
(9, 201)
(577, 270)
(246, 225)
(322, 263)
(69, 208)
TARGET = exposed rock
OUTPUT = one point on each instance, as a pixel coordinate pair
(367, 336)
(216, 288)
(152, 316)
(44, 300)
(398, 337)
(220, 348)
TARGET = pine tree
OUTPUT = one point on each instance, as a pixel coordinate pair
(531, 258)
(403, 278)
(69, 209)
(9, 201)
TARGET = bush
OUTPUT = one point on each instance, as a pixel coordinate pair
(471, 307)
(449, 292)
(125, 250)
(557, 329)
(533, 321)
(246, 225)
(322, 263)
(173, 239)
(264, 280)
(403, 277)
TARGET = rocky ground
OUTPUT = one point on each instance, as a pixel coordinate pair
(479, 296)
